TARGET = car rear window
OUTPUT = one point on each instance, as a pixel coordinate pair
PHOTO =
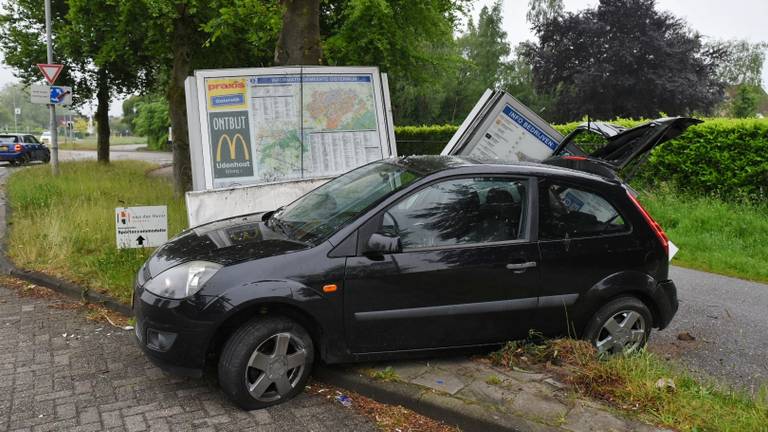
(8, 139)
(566, 211)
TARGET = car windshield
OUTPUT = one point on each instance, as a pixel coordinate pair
(320, 213)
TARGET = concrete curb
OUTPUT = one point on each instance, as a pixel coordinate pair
(467, 416)
(68, 289)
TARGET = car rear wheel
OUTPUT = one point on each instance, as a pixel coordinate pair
(621, 326)
(265, 362)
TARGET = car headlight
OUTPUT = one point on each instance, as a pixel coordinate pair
(182, 281)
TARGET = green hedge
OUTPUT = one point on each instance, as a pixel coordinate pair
(725, 157)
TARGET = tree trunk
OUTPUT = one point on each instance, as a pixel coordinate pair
(180, 44)
(102, 117)
(299, 41)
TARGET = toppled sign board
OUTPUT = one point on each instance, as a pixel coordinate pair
(262, 137)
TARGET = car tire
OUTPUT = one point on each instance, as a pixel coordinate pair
(47, 158)
(621, 326)
(265, 362)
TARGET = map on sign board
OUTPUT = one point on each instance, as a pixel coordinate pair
(139, 227)
(264, 126)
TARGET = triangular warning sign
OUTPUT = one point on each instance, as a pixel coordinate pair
(50, 71)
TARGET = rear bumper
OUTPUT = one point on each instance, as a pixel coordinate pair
(666, 303)
(11, 156)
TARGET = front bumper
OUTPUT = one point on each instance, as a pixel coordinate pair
(186, 343)
(666, 303)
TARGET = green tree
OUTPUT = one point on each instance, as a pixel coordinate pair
(97, 41)
(742, 63)
(542, 11)
(185, 35)
(411, 41)
(104, 38)
(484, 50)
(745, 102)
(152, 121)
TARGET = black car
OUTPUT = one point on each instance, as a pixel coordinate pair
(402, 256)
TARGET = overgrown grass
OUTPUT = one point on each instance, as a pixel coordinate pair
(65, 226)
(721, 237)
(630, 385)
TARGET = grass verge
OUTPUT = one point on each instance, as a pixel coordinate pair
(65, 225)
(89, 143)
(716, 236)
(632, 385)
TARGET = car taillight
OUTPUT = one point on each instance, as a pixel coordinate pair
(662, 236)
(17, 147)
(579, 158)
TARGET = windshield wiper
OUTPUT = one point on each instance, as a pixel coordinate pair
(280, 225)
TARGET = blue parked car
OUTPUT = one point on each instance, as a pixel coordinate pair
(19, 149)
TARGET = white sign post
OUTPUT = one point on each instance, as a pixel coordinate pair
(140, 227)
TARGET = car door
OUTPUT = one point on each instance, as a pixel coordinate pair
(583, 238)
(466, 273)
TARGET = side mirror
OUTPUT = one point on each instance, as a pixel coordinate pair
(383, 244)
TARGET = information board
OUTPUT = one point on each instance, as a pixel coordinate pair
(501, 127)
(263, 125)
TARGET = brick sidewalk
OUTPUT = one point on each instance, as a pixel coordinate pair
(94, 379)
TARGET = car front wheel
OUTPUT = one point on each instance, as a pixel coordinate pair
(620, 326)
(265, 362)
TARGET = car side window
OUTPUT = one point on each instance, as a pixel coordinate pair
(459, 211)
(566, 212)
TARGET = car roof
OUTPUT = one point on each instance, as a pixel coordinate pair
(426, 165)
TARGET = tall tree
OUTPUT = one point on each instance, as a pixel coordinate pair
(185, 35)
(541, 11)
(743, 61)
(412, 41)
(484, 49)
(299, 42)
(624, 58)
(105, 39)
(95, 40)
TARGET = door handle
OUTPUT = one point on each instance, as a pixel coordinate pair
(521, 267)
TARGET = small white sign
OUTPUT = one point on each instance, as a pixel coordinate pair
(17, 111)
(40, 94)
(140, 227)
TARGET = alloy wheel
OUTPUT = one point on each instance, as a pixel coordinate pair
(623, 332)
(275, 367)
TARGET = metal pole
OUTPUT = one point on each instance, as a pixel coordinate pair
(51, 107)
(15, 115)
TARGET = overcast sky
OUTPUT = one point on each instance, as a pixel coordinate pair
(718, 19)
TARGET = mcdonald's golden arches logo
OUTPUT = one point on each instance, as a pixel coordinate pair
(232, 146)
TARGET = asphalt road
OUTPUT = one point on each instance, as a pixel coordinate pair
(120, 152)
(729, 319)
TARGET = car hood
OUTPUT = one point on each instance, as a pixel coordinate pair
(226, 242)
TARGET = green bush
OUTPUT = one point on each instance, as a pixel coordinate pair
(427, 139)
(722, 156)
